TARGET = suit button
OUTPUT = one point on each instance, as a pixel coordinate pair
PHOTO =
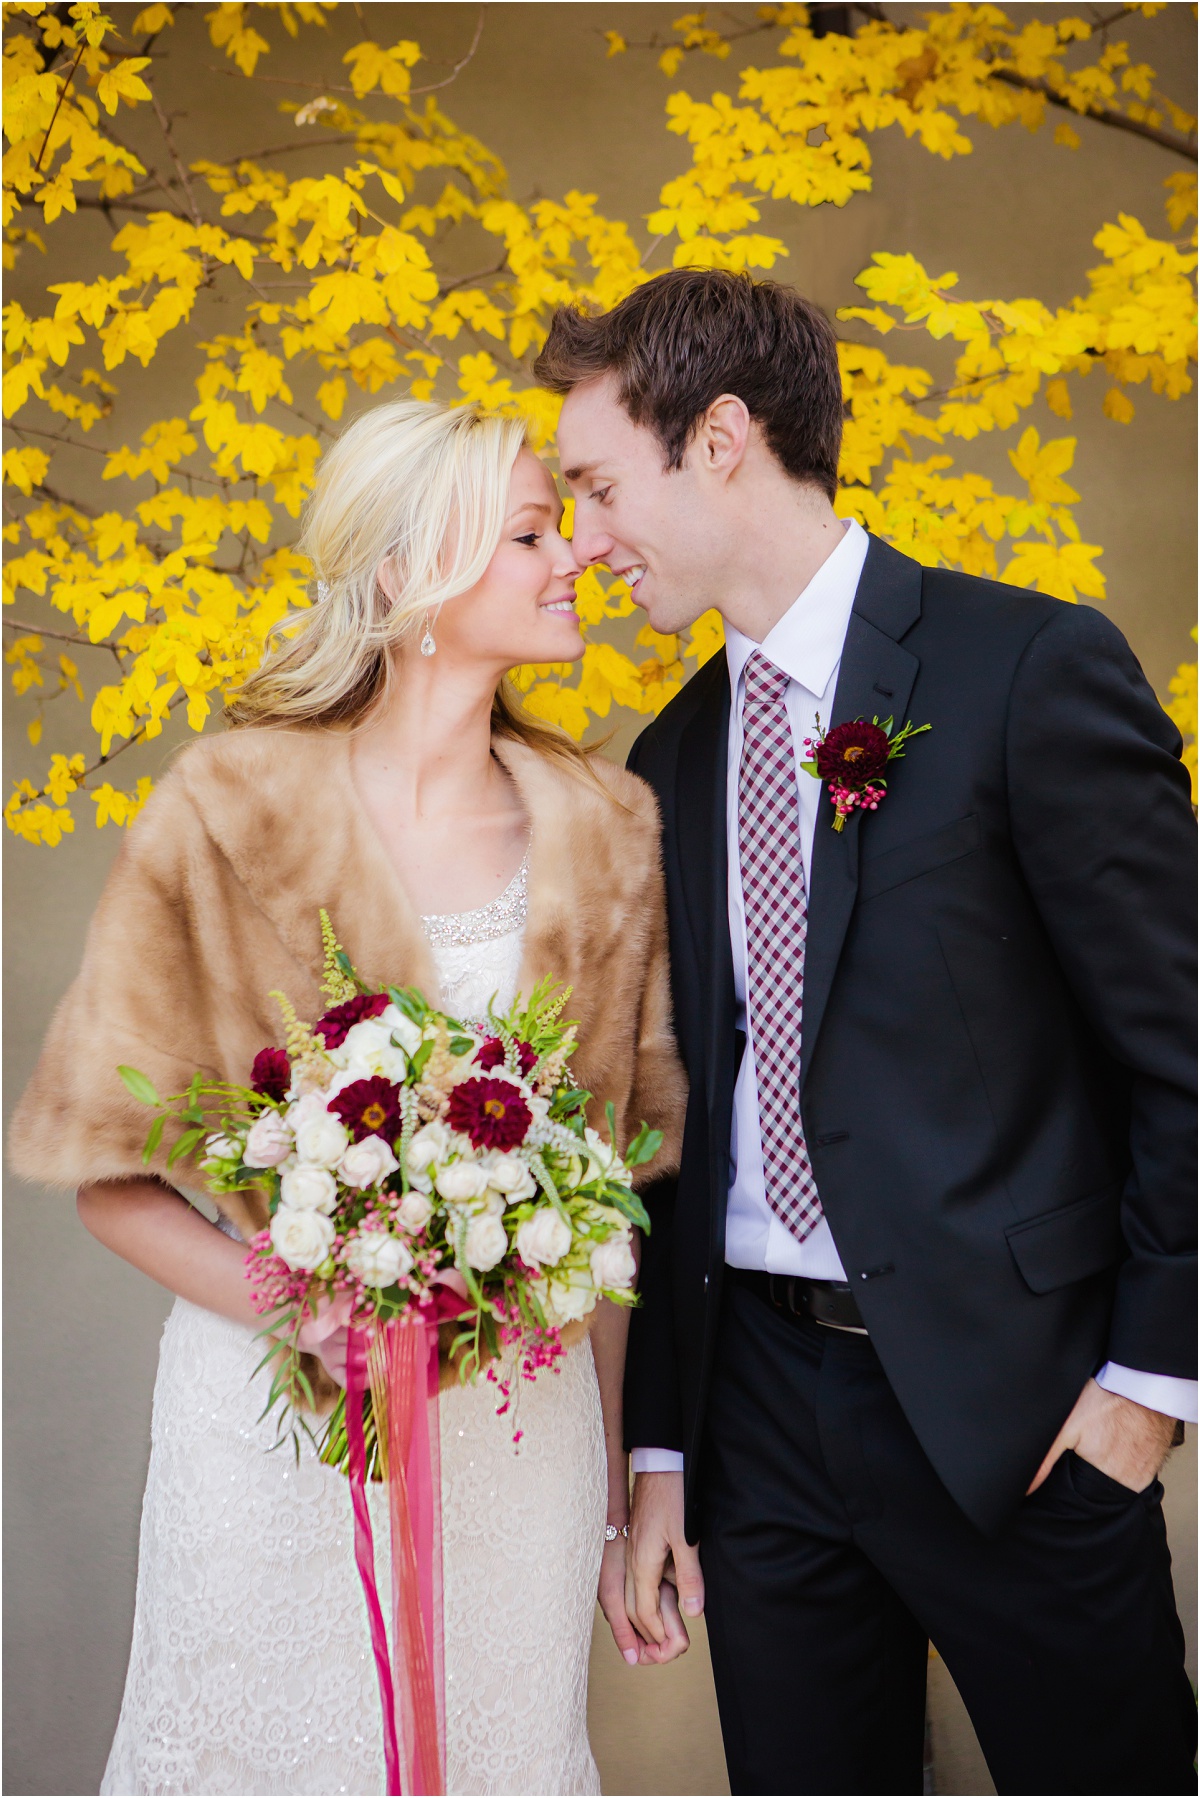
(706, 1280)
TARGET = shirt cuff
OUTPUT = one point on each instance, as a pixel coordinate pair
(656, 1460)
(1157, 1391)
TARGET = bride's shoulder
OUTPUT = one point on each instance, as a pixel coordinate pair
(263, 767)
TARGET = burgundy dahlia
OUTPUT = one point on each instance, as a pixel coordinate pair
(491, 1055)
(339, 1020)
(491, 1112)
(854, 754)
(271, 1074)
(369, 1108)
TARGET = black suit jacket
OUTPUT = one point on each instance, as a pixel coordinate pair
(998, 1067)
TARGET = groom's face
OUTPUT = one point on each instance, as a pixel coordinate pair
(653, 526)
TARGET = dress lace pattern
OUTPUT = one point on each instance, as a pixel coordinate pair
(251, 1670)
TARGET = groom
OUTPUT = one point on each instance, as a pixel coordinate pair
(917, 1318)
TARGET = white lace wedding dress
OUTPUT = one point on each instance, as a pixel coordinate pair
(251, 1668)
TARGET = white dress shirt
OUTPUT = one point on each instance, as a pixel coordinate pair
(807, 645)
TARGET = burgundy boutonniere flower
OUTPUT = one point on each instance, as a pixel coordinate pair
(851, 759)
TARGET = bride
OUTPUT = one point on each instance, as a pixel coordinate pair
(380, 767)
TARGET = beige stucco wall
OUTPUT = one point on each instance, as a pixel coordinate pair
(81, 1329)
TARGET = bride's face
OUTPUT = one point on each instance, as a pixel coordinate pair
(523, 610)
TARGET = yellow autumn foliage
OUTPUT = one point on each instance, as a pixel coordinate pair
(178, 583)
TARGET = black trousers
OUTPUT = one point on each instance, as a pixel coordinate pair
(832, 1554)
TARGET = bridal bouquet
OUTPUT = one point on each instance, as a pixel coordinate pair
(436, 1182)
(415, 1160)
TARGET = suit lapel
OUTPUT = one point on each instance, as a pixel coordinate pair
(875, 680)
(704, 867)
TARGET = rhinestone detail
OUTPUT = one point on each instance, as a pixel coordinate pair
(499, 917)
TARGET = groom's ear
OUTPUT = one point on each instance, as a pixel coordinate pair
(722, 435)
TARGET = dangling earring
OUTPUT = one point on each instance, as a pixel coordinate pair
(428, 646)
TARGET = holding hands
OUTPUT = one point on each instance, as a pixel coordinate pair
(652, 1581)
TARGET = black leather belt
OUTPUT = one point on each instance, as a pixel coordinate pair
(828, 1302)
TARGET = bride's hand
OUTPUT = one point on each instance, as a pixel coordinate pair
(611, 1596)
(327, 1335)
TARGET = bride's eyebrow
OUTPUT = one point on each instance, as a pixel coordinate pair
(532, 505)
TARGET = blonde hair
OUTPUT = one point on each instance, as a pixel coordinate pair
(423, 491)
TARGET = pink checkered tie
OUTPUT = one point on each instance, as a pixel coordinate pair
(776, 927)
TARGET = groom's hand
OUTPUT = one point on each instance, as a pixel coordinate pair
(659, 1565)
(1121, 1438)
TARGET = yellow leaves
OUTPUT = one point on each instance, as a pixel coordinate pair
(62, 778)
(123, 83)
(153, 19)
(1067, 136)
(28, 816)
(616, 43)
(21, 655)
(1118, 405)
(331, 397)
(260, 375)
(388, 70)
(1062, 570)
(25, 469)
(163, 445)
(227, 28)
(1058, 398)
(1042, 468)
(1181, 199)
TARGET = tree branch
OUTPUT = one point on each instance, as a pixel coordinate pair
(462, 62)
(165, 123)
(1103, 115)
(62, 94)
(40, 630)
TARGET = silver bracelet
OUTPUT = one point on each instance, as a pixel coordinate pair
(613, 1530)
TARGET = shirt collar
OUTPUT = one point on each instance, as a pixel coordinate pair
(807, 641)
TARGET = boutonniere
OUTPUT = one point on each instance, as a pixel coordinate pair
(851, 759)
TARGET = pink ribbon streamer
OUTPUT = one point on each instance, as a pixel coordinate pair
(398, 1363)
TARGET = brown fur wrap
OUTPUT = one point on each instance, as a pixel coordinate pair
(213, 902)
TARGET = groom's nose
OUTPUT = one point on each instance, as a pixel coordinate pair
(590, 543)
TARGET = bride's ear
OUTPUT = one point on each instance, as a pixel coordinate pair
(386, 581)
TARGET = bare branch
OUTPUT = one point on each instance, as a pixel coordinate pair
(62, 94)
(165, 123)
(462, 62)
(40, 630)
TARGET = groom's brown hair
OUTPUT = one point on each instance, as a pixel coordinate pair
(689, 335)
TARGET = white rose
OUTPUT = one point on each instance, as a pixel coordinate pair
(486, 1242)
(430, 1144)
(368, 1049)
(268, 1142)
(302, 1238)
(223, 1148)
(613, 1265)
(414, 1213)
(308, 1106)
(461, 1182)
(368, 1162)
(376, 1258)
(567, 1304)
(322, 1139)
(307, 1188)
(509, 1174)
(544, 1238)
(408, 1033)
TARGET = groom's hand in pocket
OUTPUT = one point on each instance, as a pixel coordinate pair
(660, 1567)
(1123, 1439)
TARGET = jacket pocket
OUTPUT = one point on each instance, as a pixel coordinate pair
(882, 872)
(1069, 1243)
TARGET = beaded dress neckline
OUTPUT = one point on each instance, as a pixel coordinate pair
(499, 917)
